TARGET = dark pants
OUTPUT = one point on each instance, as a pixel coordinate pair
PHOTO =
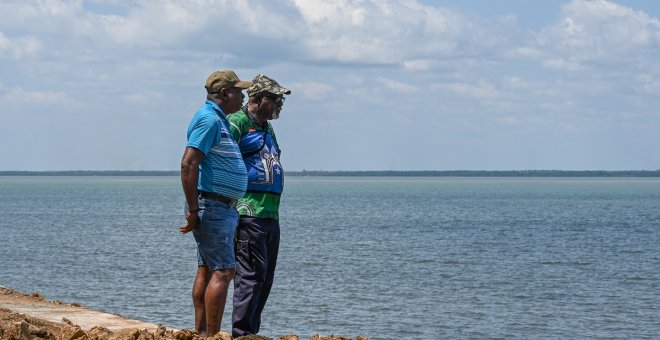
(257, 243)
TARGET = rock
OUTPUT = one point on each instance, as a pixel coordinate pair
(184, 334)
(73, 333)
(160, 331)
(288, 337)
(132, 334)
(68, 322)
(35, 331)
(23, 330)
(99, 333)
(253, 337)
(220, 336)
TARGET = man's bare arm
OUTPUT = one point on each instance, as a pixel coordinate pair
(189, 179)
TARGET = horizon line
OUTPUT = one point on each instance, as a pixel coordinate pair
(357, 173)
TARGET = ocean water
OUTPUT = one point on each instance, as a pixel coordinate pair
(390, 258)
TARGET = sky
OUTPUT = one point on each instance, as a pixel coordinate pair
(376, 84)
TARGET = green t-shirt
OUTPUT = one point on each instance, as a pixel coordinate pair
(255, 204)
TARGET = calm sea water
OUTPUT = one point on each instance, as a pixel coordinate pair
(414, 258)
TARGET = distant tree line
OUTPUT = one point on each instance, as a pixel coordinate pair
(483, 173)
(91, 173)
(385, 173)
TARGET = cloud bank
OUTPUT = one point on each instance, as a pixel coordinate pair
(114, 83)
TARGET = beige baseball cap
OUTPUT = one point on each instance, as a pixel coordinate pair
(225, 79)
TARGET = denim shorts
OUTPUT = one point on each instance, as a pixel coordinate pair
(215, 234)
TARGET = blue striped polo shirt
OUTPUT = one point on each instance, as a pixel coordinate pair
(222, 171)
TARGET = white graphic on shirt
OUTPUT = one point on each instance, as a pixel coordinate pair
(271, 163)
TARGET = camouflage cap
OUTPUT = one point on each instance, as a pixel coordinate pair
(261, 83)
(224, 79)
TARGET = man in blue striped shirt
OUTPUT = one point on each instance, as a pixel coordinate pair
(213, 177)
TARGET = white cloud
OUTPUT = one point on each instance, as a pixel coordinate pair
(311, 89)
(176, 23)
(526, 52)
(480, 90)
(417, 65)
(600, 30)
(319, 12)
(363, 32)
(516, 83)
(366, 32)
(561, 64)
(649, 83)
(50, 17)
(166, 24)
(398, 86)
(4, 42)
(51, 99)
(509, 120)
(22, 47)
(385, 32)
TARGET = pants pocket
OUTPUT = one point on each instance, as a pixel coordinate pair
(244, 255)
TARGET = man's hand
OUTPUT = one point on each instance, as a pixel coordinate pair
(193, 220)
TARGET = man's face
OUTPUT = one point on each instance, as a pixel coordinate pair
(233, 99)
(271, 105)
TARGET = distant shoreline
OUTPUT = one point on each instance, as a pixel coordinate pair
(381, 173)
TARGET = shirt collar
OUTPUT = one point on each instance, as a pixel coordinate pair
(253, 118)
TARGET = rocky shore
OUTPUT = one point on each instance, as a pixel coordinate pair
(32, 317)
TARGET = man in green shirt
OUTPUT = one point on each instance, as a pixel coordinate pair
(258, 232)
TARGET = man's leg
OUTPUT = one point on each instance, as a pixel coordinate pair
(251, 265)
(199, 290)
(272, 249)
(215, 244)
(215, 298)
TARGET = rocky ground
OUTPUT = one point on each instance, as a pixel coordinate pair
(32, 317)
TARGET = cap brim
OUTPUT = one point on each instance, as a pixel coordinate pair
(243, 84)
(279, 90)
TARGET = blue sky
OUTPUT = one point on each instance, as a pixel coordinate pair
(377, 85)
